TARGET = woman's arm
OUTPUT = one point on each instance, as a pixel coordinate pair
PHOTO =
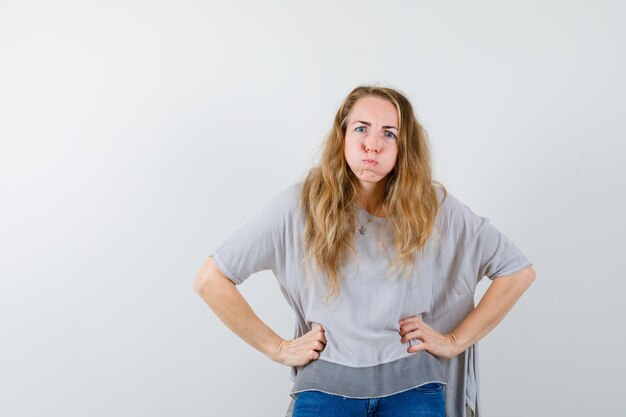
(497, 301)
(222, 296)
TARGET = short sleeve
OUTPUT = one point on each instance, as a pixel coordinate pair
(488, 251)
(499, 255)
(258, 244)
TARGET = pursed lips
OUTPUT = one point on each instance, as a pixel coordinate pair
(370, 161)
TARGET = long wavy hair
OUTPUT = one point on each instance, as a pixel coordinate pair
(410, 199)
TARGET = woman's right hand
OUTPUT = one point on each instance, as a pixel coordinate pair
(302, 350)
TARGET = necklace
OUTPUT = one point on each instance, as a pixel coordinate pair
(362, 227)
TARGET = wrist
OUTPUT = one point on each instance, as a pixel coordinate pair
(459, 345)
(275, 353)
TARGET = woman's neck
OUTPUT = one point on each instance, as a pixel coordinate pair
(371, 197)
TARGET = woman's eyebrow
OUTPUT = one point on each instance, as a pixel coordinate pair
(369, 124)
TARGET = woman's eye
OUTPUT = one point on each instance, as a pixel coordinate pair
(360, 127)
(393, 135)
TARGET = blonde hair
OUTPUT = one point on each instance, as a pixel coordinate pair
(410, 199)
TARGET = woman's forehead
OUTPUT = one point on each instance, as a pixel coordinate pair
(374, 110)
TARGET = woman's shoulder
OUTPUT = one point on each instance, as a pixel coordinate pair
(448, 202)
(457, 215)
(287, 200)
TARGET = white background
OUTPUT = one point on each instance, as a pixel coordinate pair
(136, 135)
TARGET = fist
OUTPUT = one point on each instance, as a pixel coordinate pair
(302, 350)
(441, 345)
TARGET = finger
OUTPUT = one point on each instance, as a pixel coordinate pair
(314, 333)
(412, 322)
(420, 325)
(409, 319)
(319, 333)
(409, 328)
(316, 329)
(406, 329)
(412, 335)
(417, 348)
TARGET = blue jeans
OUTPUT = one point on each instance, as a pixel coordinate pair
(424, 401)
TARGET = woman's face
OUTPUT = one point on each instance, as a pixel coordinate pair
(371, 143)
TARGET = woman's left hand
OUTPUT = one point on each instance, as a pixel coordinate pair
(441, 345)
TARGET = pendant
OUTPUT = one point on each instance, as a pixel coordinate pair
(362, 230)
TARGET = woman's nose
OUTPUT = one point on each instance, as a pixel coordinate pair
(373, 143)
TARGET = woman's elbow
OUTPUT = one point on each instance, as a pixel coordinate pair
(531, 274)
(527, 276)
(201, 282)
(517, 282)
(208, 277)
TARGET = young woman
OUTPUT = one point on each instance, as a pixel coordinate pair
(380, 264)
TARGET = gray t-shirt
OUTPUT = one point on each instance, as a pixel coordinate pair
(363, 356)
